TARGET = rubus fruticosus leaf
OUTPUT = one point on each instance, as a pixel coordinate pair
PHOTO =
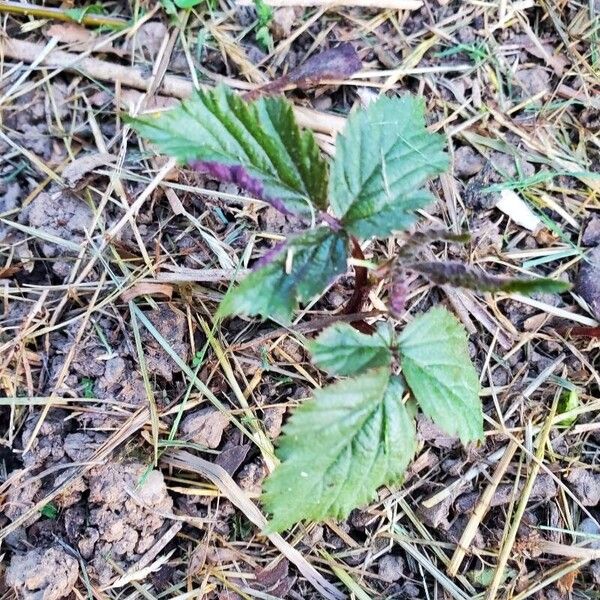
(460, 275)
(298, 270)
(257, 145)
(339, 448)
(342, 350)
(383, 157)
(439, 372)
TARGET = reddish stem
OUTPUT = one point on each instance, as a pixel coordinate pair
(361, 287)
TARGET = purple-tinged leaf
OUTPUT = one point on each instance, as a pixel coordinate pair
(257, 145)
(242, 178)
(460, 275)
(289, 275)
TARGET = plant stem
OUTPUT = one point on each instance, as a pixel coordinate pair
(361, 281)
(93, 20)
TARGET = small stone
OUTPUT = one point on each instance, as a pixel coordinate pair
(273, 419)
(390, 568)
(283, 21)
(251, 477)
(205, 427)
(87, 542)
(533, 81)
(591, 233)
(585, 484)
(436, 516)
(467, 162)
(590, 527)
(588, 281)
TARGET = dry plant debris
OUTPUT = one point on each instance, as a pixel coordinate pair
(114, 371)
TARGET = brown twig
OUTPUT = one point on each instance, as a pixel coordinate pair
(178, 87)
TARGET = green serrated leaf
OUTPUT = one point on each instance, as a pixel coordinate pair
(383, 157)
(257, 145)
(339, 448)
(342, 350)
(440, 374)
(299, 272)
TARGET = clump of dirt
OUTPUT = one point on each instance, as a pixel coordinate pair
(105, 366)
(63, 215)
(47, 448)
(591, 233)
(126, 507)
(533, 81)
(205, 427)
(20, 496)
(172, 326)
(588, 281)
(42, 574)
(544, 489)
(467, 162)
(53, 448)
(585, 485)
(28, 122)
(390, 568)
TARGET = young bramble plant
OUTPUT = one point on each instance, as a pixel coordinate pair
(359, 433)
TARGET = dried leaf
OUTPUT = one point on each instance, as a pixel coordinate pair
(81, 166)
(147, 289)
(337, 63)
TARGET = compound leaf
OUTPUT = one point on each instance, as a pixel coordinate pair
(342, 350)
(339, 448)
(440, 374)
(298, 271)
(257, 145)
(383, 157)
(461, 275)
